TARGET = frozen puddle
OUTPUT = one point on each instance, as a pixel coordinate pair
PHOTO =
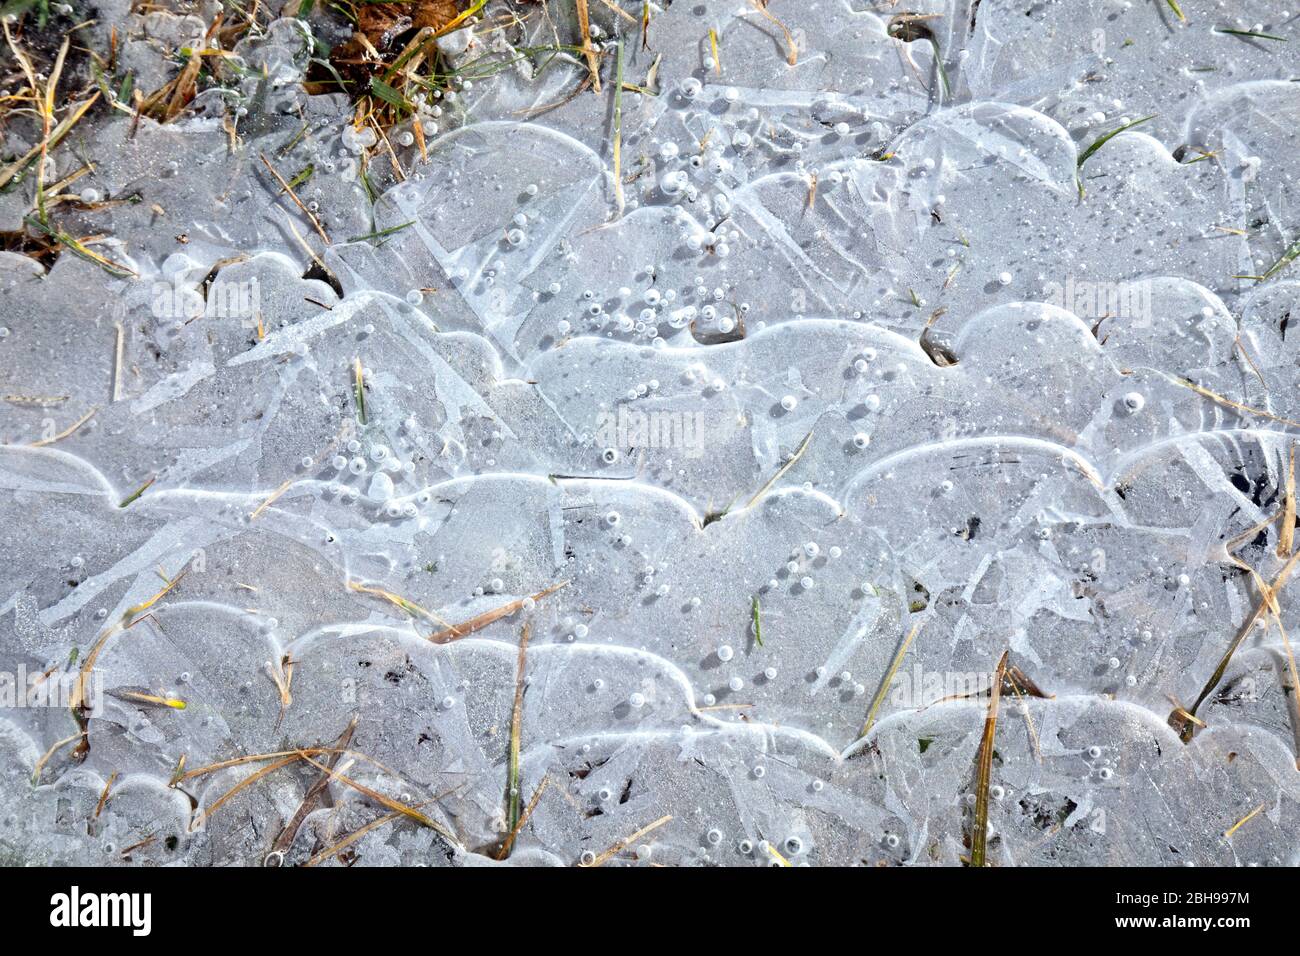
(850, 376)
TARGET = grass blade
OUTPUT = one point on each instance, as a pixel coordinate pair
(133, 496)
(984, 770)
(66, 432)
(103, 797)
(287, 188)
(588, 51)
(792, 56)
(410, 607)
(1295, 684)
(389, 802)
(603, 858)
(888, 679)
(1252, 35)
(803, 447)
(1184, 719)
(618, 132)
(252, 778)
(1229, 403)
(1286, 534)
(315, 795)
(359, 390)
(382, 233)
(1238, 825)
(270, 499)
(1101, 141)
(516, 732)
(1287, 257)
(523, 819)
(481, 621)
(54, 748)
(354, 836)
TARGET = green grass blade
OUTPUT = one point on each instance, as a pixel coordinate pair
(1288, 257)
(1107, 137)
(1101, 141)
(1252, 35)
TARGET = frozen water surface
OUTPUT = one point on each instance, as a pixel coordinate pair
(859, 369)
